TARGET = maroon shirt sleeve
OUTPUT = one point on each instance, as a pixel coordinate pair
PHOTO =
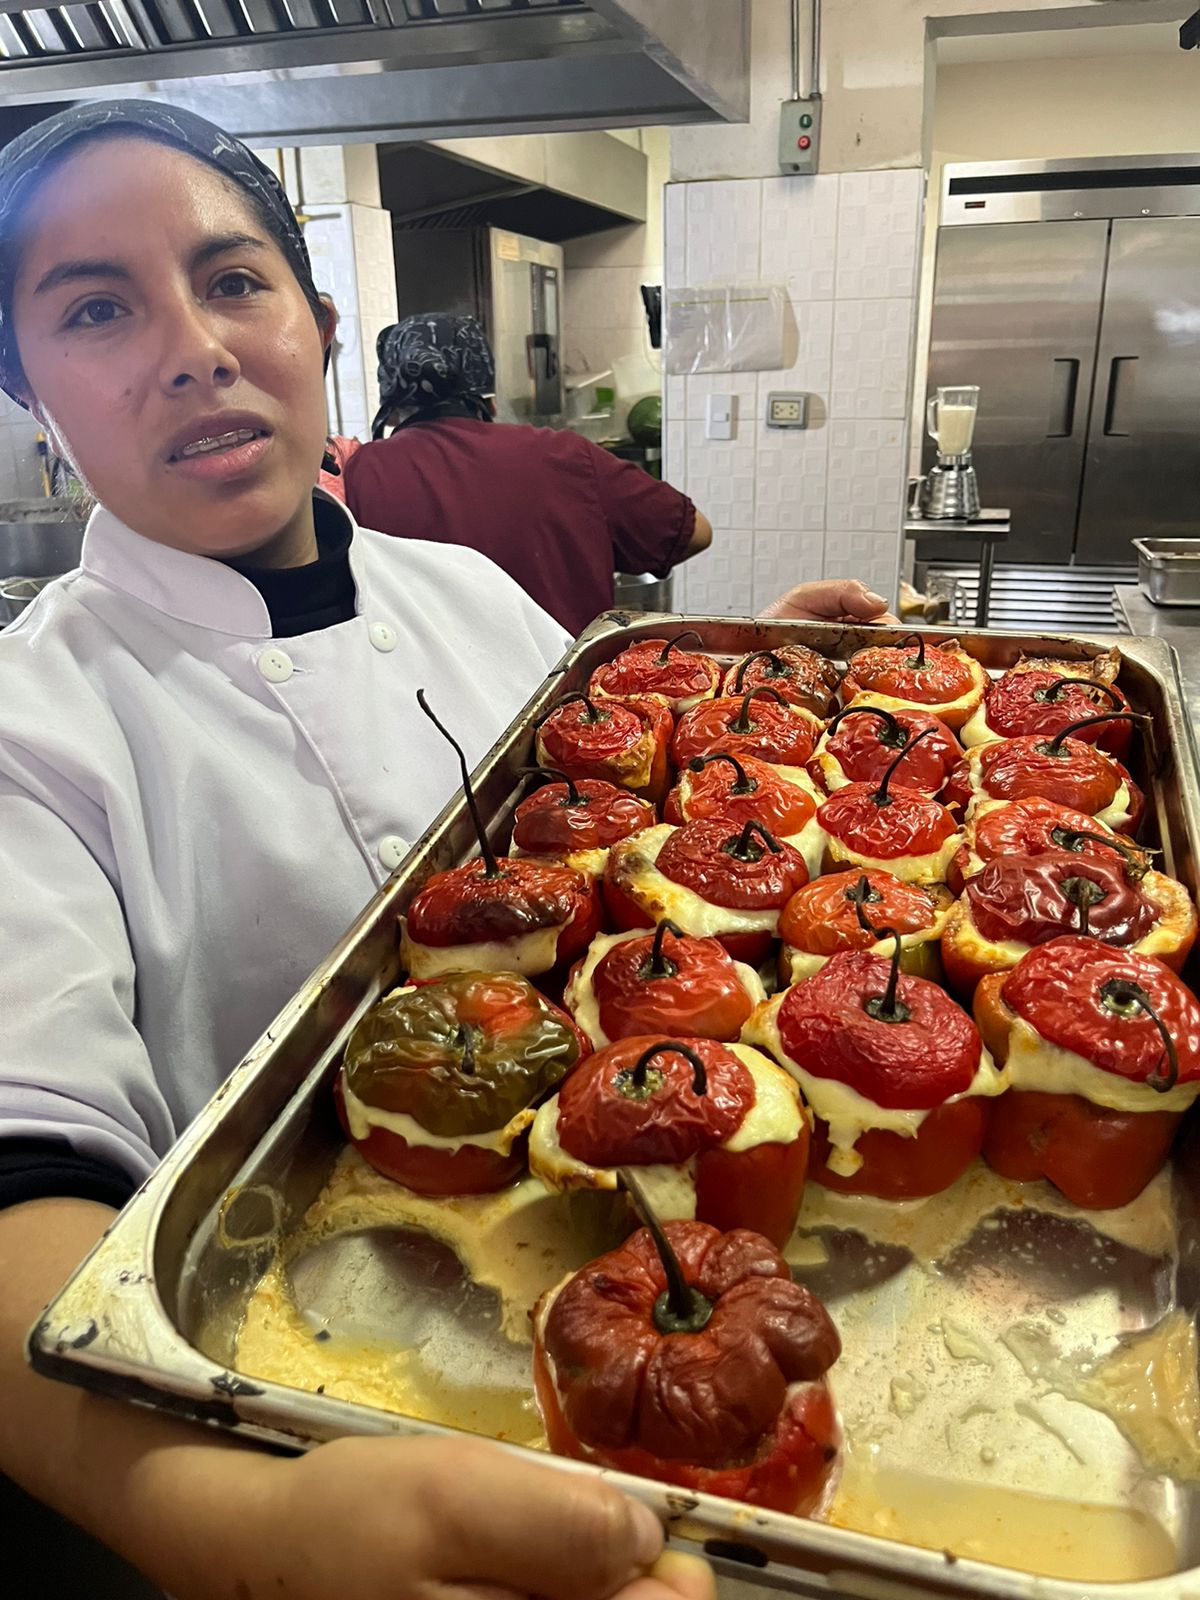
(650, 523)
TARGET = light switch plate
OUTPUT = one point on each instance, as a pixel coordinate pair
(718, 416)
(787, 410)
(799, 135)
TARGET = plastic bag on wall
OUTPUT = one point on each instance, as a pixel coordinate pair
(725, 330)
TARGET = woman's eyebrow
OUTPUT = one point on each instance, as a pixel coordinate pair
(70, 271)
(223, 243)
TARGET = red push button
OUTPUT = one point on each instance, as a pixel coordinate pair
(803, 142)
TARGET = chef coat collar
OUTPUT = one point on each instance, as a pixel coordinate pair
(186, 587)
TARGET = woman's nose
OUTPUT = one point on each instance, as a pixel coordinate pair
(194, 352)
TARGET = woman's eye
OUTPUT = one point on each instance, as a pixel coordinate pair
(96, 313)
(235, 286)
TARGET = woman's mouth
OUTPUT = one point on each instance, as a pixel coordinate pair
(221, 456)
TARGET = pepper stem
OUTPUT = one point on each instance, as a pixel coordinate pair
(574, 798)
(680, 1309)
(778, 669)
(672, 644)
(919, 659)
(882, 797)
(888, 1007)
(642, 1065)
(1054, 748)
(491, 866)
(859, 895)
(465, 1038)
(741, 723)
(743, 783)
(1122, 996)
(1135, 857)
(743, 848)
(1083, 894)
(894, 734)
(1053, 691)
(594, 714)
(658, 965)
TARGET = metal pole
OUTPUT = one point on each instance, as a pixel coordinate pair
(795, 16)
(814, 78)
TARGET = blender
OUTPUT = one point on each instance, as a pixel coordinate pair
(949, 489)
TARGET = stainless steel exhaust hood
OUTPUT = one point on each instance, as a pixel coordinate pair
(326, 71)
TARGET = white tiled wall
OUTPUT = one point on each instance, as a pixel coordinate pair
(20, 475)
(351, 249)
(828, 501)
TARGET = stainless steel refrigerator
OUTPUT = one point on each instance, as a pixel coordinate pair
(513, 284)
(1070, 293)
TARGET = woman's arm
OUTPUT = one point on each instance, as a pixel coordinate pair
(208, 1518)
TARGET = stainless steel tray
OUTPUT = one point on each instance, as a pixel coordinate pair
(1169, 571)
(152, 1315)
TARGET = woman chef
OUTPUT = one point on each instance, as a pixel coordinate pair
(210, 757)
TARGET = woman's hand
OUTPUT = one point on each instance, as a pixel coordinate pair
(450, 1519)
(830, 600)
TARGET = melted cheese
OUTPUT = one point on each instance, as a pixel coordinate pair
(849, 1114)
(579, 997)
(978, 730)
(363, 1119)
(531, 954)
(1114, 815)
(930, 868)
(802, 963)
(776, 1117)
(1035, 1064)
(952, 712)
(590, 862)
(662, 898)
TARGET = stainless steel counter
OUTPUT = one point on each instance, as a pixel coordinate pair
(1179, 626)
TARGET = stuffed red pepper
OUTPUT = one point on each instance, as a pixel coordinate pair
(1032, 827)
(713, 1131)
(943, 680)
(623, 742)
(861, 743)
(683, 678)
(575, 822)
(894, 1072)
(696, 1361)
(853, 910)
(889, 827)
(1041, 701)
(761, 723)
(802, 676)
(1102, 1051)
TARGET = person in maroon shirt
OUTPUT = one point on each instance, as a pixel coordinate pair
(557, 512)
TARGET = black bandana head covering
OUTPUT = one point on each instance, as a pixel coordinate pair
(30, 158)
(434, 363)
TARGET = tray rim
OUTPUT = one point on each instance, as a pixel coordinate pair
(169, 1374)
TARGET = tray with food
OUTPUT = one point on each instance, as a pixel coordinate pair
(771, 1082)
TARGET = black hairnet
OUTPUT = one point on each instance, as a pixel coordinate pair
(433, 360)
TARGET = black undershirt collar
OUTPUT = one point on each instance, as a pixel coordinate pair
(319, 594)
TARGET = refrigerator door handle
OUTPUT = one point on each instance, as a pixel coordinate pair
(1116, 391)
(1064, 389)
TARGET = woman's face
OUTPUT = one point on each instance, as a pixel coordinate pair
(169, 348)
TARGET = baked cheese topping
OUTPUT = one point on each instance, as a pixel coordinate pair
(776, 1117)
(364, 1119)
(803, 963)
(1033, 1063)
(590, 862)
(580, 994)
(529, 955)
(662, 898)
(847, 1113)
(978, 730)
(930, 868)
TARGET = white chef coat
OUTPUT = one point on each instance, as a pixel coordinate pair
(191, 813)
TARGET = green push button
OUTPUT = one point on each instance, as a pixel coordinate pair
(806, 121)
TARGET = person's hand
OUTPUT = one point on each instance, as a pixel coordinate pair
(442, 1519)
(830, 600)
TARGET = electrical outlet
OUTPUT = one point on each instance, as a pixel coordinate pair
(799, 135)
(719, 416)
(787, 411)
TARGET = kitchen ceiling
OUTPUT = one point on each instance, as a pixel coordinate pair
(320, 70)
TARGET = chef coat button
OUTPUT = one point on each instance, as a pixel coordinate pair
(275, 666)
(392, 851)
(382, 637)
